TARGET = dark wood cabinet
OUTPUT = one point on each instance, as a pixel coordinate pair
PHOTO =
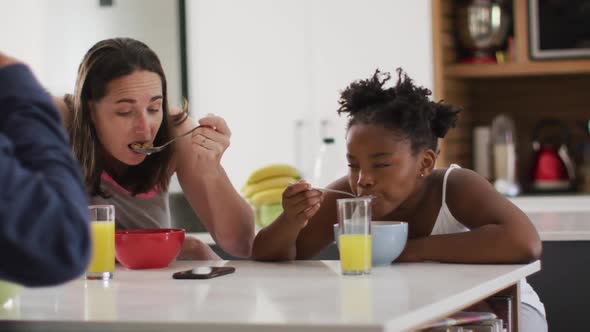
(525, 90)
(563, 284)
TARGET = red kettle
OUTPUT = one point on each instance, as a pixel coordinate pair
(552, 168)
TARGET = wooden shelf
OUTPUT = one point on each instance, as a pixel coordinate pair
(526, 90)
(522, 65)
(538, 68)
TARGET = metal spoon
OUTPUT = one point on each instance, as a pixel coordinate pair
(147, 149)
(334, 191)
(331, 190)
(343, 192)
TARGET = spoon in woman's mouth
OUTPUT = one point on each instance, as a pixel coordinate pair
(148, 148)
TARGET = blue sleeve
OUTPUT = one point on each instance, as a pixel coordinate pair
(44, 227)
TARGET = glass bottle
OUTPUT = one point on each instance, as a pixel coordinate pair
(504, 155)
(330, 164)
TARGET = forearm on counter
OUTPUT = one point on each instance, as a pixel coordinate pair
(225, 214)
(276, 242)
(489, 244)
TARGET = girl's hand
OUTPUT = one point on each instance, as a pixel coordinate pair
(300, 202)
(210, 141)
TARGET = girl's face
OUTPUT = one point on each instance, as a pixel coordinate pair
(381, 164)
(130, 112)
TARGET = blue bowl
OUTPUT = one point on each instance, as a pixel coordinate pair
(388, 240)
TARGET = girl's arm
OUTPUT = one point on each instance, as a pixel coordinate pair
(500, 231)
(304, 228)
(225, 214)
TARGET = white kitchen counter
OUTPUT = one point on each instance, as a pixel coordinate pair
(556, 203)
(562, 226)
(290, 296)
(204, 237)
(558, 218)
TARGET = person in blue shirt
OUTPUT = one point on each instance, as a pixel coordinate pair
(44, 219)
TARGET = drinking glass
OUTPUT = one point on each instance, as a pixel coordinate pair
(102, 225)
(354, 218)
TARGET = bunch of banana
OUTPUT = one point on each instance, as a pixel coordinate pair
(264, 189)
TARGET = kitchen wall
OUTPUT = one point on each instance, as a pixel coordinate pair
(264, 65)
(52, 36)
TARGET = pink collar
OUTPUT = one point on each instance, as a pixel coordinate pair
(151, 193)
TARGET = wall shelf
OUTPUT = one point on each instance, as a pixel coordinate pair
(539, 68)
(526, 90)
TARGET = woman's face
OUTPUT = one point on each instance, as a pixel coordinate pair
(130, 112)
(381, 164)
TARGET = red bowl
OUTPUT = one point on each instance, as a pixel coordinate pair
(148, 248)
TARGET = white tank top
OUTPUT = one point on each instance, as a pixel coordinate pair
(446, 224)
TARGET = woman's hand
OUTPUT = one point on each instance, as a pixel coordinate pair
(300, 203)
(5, 60)
(195, 249)
(210, 142)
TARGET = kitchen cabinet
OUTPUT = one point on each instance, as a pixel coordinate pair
(563, 223)
(562, 284)
(524, 89)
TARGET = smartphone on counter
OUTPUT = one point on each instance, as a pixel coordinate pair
(204, 272)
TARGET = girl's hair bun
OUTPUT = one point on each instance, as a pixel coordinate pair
(405, 108)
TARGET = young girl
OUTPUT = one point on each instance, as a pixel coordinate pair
(121, 99)
(454, 215)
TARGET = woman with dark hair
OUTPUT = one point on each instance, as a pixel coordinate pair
(453, 214)
(120, 100)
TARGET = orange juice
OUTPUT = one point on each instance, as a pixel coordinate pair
(103, 247)
(355, 253)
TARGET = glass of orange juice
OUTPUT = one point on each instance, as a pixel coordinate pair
(102, 226)
(354, 219)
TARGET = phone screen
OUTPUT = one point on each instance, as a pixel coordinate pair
(204, 272)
